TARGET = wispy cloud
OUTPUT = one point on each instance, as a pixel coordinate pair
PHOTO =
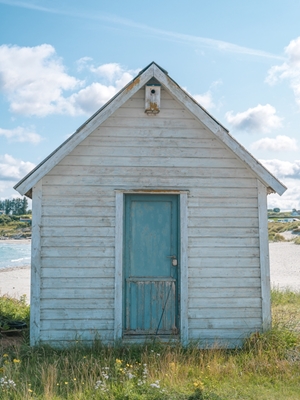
(218, 45)
(289, 70)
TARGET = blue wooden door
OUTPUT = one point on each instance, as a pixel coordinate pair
(151, 264)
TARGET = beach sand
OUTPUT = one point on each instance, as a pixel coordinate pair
(15, 282)
(284, 268)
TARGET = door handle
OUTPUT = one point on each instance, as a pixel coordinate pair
(174, 260)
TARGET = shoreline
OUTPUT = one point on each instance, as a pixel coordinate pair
(15, 240)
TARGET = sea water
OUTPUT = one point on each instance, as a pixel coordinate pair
(15, 254)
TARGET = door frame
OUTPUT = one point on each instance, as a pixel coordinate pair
(183, 262)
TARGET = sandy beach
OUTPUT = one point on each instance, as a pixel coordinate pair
(284, 268)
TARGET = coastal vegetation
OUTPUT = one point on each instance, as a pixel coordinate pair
(266, 367)
(12, 227)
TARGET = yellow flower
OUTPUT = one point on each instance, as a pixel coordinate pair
(6, 362)
(74, 379)
(118, 361)
(5, 355)
(15, 360)
(29, 390)
(66, 383)
(199, 385)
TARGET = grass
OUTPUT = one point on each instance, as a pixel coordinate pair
(267, 367)
(275, 228)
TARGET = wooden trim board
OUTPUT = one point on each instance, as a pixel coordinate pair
(35, 308)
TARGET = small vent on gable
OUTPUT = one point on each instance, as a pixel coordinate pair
(152, 99)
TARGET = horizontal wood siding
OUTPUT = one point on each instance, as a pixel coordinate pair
(78, 224)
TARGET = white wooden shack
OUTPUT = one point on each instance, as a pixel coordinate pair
(149, 220)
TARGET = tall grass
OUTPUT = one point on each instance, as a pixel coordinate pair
(267, 367)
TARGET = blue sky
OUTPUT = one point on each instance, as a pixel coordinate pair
(60, 61)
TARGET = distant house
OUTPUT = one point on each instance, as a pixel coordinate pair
(1, 212)
(129, 240)
(295, 213)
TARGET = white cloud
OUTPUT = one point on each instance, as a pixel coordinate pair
(35, 82)
(256, 119)
(289, 70)
(34, 79)
(91, 98)
(280, 143)
(205, 100)
(282, 169)
(12, 169)
(289, 174)
(21, 134)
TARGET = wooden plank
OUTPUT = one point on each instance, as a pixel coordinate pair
(223, 252)
(222, 262)
(62, 336)
(77, 325)
(112, 150)
(78, 315)
(229, 222)
(139, 181)
(83, 201)
(82, 252)
(227, 302)
(81, 241)
(134, 170)
(166, 104)
(100, 141)
(253, 324)
(35, 317)
(88, 221)
(227, 202)
(139, 113)
(74, 262)
(215, 313)
(86, 272)
(223, 212)
(122, 131)
(82, 304)
(154, 123)
(150, 161)
(71, 232)
(223, 192)
(220, 292)
(241, 282)
(223, 334)
(222, 231)
(77, 294)
(73, 211)
(264, 256)
(223, 272)
(77, 283)
(223, 242)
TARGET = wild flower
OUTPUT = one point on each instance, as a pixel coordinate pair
(199, 385)
(130, 375)
(7, 384)
(118, 361)
(155, 385)
(16, 361)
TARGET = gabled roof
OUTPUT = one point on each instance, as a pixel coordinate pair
(151, 71)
